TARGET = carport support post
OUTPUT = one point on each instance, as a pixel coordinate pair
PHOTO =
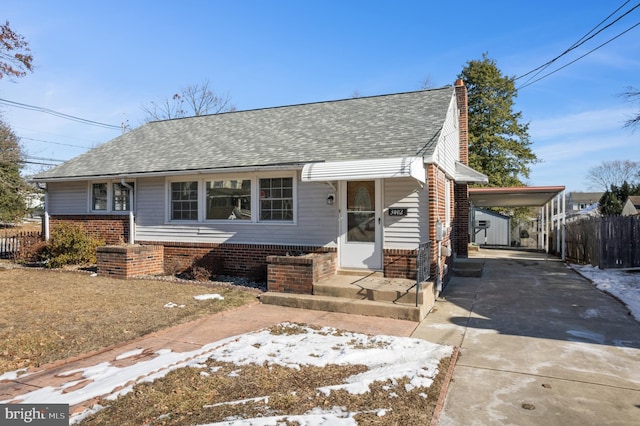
(564, 218)
(544, 229)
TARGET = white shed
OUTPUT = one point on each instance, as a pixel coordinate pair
(490, 228)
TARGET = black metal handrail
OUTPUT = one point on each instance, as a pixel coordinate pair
(423, 266)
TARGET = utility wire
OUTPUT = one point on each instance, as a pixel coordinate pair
(581, 41)
(55, 143)
(29, 157)
(58, 114)
(580, 57)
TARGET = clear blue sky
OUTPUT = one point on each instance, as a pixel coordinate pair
(102, 60)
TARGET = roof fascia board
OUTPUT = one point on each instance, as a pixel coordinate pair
(169, 173)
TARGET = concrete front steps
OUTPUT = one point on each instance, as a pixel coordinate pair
(467, 268)
(362, 294)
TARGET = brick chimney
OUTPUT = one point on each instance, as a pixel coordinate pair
(463, 120)
(461, 236)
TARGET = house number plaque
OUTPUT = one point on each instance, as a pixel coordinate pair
(397, 212)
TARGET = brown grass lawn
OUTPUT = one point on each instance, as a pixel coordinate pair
(49, 315)
(191, 396)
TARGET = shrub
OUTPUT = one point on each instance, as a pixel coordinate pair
(173, 266)
(69, 244)
(200, 273)
(31, 251)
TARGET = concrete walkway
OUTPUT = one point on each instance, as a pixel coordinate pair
(538, 345)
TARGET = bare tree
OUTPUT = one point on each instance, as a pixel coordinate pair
(194, 100)
(613, 173)
(632, 94)
(426, 83)
(15, 56)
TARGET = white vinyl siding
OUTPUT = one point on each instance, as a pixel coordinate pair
(150, 201)
(67, 198)
(447, 151)
(405, 232)
(316, 222)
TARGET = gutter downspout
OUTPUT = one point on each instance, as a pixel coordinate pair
(132, 225)
(45, 217)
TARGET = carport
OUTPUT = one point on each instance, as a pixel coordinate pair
(549, 199)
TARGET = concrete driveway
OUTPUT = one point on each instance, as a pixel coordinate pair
(539, 344)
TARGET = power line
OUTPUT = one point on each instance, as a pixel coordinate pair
(580, 57)
(582, 40)
(58, 114)
(577, 44)
(29, 157)
(55, 143)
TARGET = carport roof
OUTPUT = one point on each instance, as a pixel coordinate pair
(526, 196)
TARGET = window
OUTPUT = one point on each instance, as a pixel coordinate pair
(99, 196)
(228, 199)
(184, 200)
(111, 196)
(276, 199)
(121, 196)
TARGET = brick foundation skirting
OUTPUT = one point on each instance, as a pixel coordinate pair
(241, 260)
(112, 229)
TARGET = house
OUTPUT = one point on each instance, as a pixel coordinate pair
(490, 228)
(367, 180)
(631, 207)
(582, 203)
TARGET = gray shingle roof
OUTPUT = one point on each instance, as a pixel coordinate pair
(396, 125)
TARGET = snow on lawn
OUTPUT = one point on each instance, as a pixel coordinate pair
(387, 358)
(625, 285)
(211, 296)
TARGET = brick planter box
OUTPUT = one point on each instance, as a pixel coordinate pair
(130, 260)
(297, 274)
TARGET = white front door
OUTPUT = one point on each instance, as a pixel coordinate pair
(360, 224)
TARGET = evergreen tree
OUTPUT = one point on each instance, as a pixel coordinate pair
(499, 144)
(12, 187)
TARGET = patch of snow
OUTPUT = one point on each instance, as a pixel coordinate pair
(129, 354)
(208, 297)
(172, 305)
(624, 285)
(387, 358)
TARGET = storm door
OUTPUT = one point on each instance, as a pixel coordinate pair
(361, 230)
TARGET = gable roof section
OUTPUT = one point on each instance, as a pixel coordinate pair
(387, 126)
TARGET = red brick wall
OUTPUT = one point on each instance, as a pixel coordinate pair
(400, 263)
(437, 212)
(297, 274)
(130, 261)
(461, 222)
(243, 260)
(461, 197)
(112, 229)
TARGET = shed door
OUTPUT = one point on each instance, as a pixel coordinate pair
(361, 229)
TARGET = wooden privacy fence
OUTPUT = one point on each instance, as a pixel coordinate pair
(10, 246)
(607, 242)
